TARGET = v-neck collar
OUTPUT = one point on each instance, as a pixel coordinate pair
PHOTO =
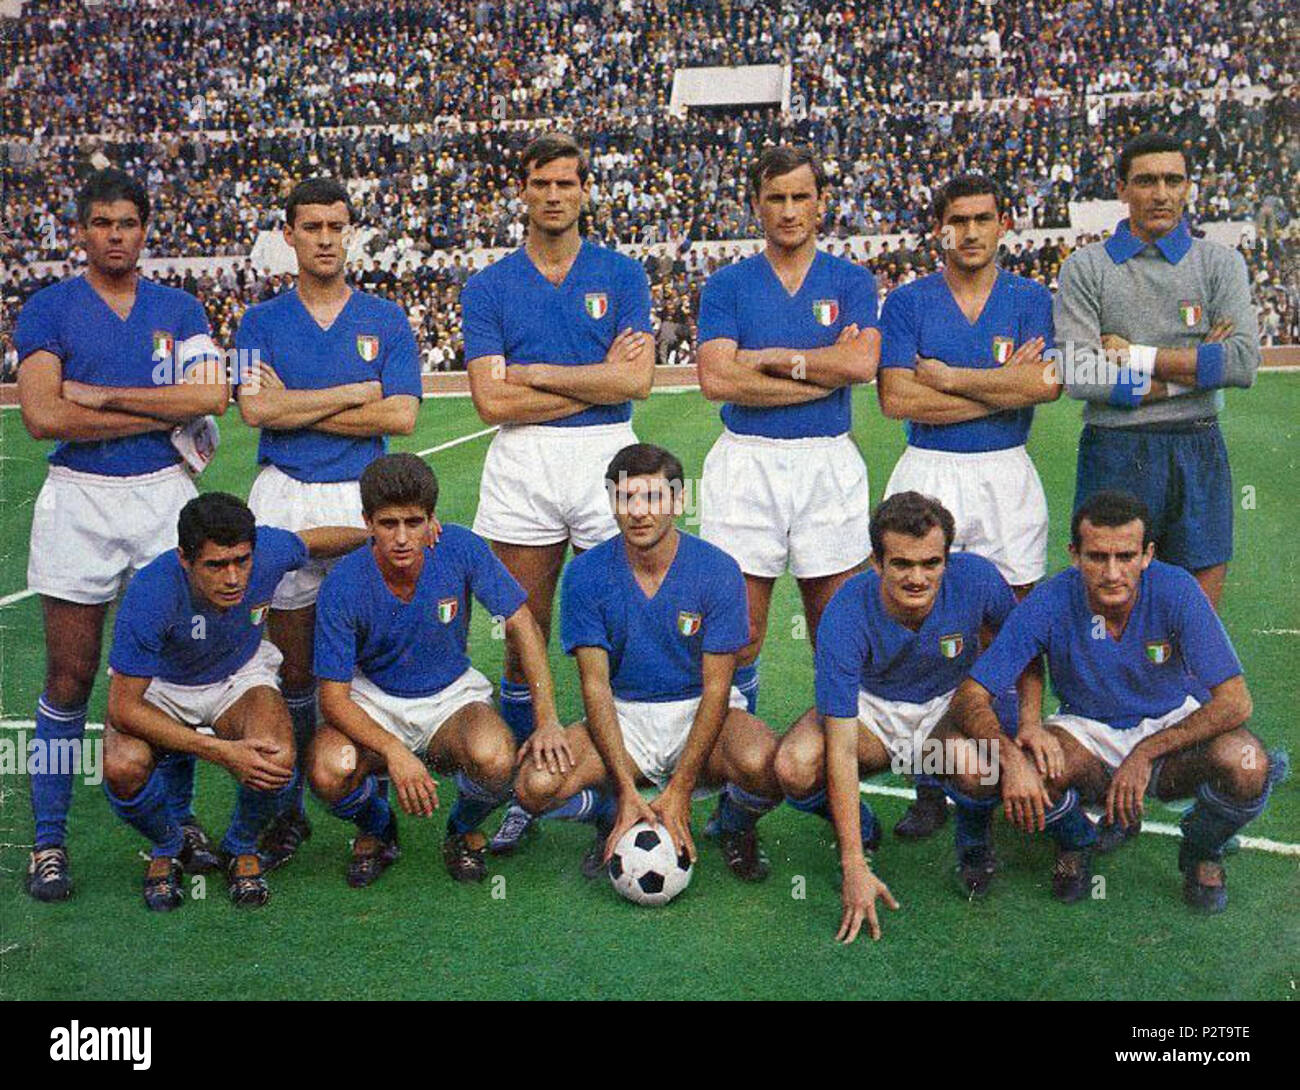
(582, 246)
(139, 287)
(419, 579)
(352, 292)
(647, 599)
(1117, 641)
(997, 283)
(777, 276)
(911, 633)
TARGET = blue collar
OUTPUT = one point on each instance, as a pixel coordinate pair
(1124, 244)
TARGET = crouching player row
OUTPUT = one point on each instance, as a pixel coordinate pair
(188, 652)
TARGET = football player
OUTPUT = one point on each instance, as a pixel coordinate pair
(112, 365)
(559, 343)
(896, 642)
(331, 372)
(397, 687)
(1153, 703)
(655, 618)
(961, 361)
(1176, 311)
(783, 337)
(188, 652)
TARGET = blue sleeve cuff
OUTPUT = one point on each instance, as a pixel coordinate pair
(1209, 366)
(1125, 394)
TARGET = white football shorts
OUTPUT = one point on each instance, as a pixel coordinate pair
(203, 705)
(416, 719)
(1110, 745)
(655, 732)
(900, 726)
(545, 485)
(773, 504)
(996, 500)
(91, 533)
(276, 499)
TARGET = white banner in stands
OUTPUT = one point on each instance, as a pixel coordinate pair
(742, 86)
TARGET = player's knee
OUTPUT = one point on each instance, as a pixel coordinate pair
(798, 763)
(752, 764)
(328, 770)
(536, 788)
(490, 755)
(127, 769)
(971, 783)
(1240, 765)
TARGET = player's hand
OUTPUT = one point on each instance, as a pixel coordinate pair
(265, 378)
(1025, 800)
(627, 346)
(1113, 342)
(549, 747)
(366, 392)
(83, 394)
(934, 373)
(848, 333)
(416, 790)
(674, 810)
(632, 808)
(1029, 352)
(1041, 744)
(248, 760)
(1127, 786)
(858, 894)
(1220, 332)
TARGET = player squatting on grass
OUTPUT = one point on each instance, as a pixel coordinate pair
(1198, 747)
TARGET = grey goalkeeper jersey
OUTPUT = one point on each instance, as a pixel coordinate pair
(1168, 294)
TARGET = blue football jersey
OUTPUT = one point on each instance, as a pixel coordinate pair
(163, 632)
(656, 645)
(923, 319)
(1174, 646)
(747, 303)
(96, 346)
(511, 310)
(414, 648)
(861, 647)
(370, 340)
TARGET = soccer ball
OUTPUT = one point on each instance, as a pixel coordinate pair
(646, 869)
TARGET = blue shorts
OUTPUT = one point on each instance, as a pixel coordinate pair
(1180, 473)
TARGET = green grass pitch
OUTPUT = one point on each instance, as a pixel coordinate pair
(546, 933)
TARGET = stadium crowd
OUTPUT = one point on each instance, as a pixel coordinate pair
(221, 107)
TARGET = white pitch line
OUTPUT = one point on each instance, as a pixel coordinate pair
(17, 596)
(1254, 631)
(1254, 843)
(457, 442)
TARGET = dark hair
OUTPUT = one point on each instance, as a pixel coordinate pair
(218, 517)
(912, 514)
(782, 159)
(645, 460)
(316, 191)
(1149, 143)
(396, 480)
(1111, 507)
(107, 185)
(546, 149)
(965, 185)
